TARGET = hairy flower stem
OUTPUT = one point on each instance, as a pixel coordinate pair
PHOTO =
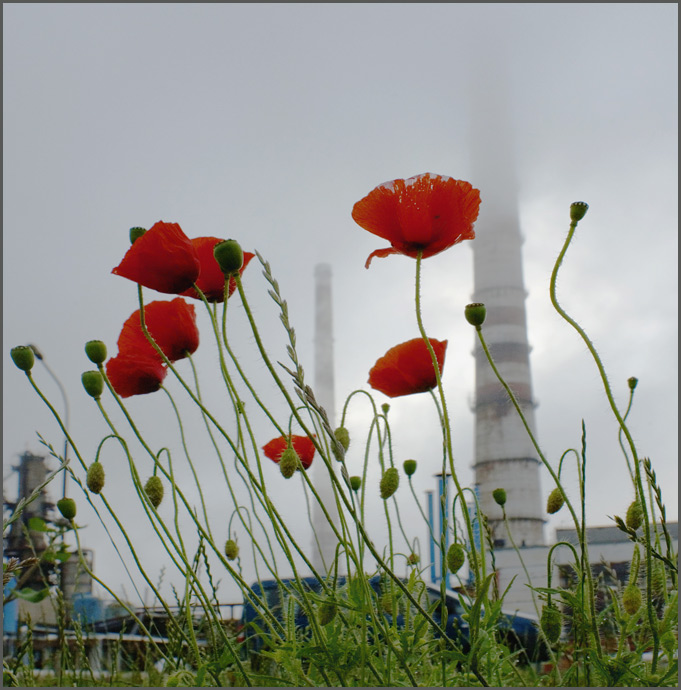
(446, 430)
(623, 427)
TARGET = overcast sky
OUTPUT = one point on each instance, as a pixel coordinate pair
(266, 123)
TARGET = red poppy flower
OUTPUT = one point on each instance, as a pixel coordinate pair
(301, 444)
(211, 280)
(135, 374)
(171, 324)
(162, 259)
(408, 368)
(427, 213)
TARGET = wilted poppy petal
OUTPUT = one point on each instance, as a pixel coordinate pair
(211, 280)
(427, 213)
(301, 444)
(162, 259)
(171, 324)
(135, 374)
(408, 368)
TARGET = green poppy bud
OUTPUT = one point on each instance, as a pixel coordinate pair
(231, 549)
(23, 357)
(355, 483)
(229, 255)
(658, 580)
(455, 557)
(413, 559)
(93, 383)
(289, 462)
(632, 599)
(551, 622)
(95, 477)
(578, 210)
(67, 507)
(475, 314)
(634, 517)
(632, 381)
(385, 407)
(409, 467)
(342, 436)
(387, 603)
(499, 496)
(136, 233)
(154, 490)
(389, 482)
(95, 351)
(555, 501)
(326, 613)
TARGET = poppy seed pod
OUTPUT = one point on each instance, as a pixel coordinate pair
(455, 557)
(551, 623)
(634, 517)
(409, 467)
(327, 612)
(342, 436)
(499, 496)
(355, 483)
(136, 233)
(475, 313)
(93, 383)
(389, 482)
(578, 210)
(289, 463)
(632, 599)
(555, 501)
(154, 490)
(67, 507)
(23, 357)
(632, 381)
(95, 477)
(231, 549)
(229, 255)
(95, 351)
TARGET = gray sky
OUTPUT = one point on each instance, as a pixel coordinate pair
(267, 123)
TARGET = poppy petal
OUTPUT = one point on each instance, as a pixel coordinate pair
(426, 213)
(408, 368)
(171, 324)
(135, 374)
(162, 259)
(301, 444)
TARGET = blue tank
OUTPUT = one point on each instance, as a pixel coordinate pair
(10, 611)
(87, 609)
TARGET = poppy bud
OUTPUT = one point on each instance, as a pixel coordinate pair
(499, 496)
(154, 490)
(634, 565)
(67, 507)
(95, 351)
(355, 483)
(342, 436)
(632, 381)
(385, 407)
(136, 233)
(93, 383)
(95, 477)
(231, 549)
(409, 467)
(578, 210)
(289, 462)
(413, 559)
(455, 557)
(555, 501)
(632, 599)
(475, 314)
(327, 612)
(551, 623)
(634, 515)
(23, 357)
(229, 255)
(389, 482)
(658, 580)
